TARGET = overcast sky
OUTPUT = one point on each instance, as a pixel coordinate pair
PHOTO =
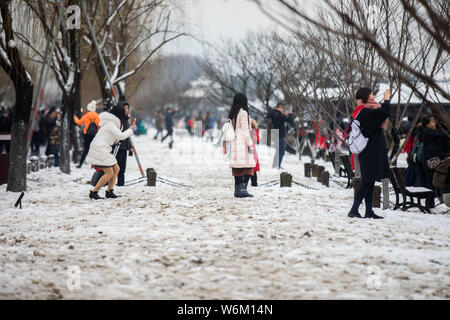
(212, 20)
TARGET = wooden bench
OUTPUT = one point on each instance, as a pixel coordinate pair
(348, 170)
(413, 193)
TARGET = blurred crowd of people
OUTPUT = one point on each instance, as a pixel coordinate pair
(5, 127)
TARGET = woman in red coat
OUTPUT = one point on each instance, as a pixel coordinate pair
(255, 138)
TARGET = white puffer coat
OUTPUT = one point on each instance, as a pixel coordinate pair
(109, 133)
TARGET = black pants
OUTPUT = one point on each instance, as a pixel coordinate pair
(279, 154)
(169, 134)
(365, 192)
(87, 145)
(122, 162)
(254, 178)
(158, 132)
(36, 143)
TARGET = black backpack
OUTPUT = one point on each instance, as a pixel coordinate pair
(92, 129)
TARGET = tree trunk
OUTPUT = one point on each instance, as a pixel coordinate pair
(64, 162)
(17, 179)
(23, 85)
(75, 96)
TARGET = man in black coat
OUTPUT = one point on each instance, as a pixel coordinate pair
(279, 122)
(169, 125)
(125, 148)
(373, 159)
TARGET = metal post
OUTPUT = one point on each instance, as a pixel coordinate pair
(99, 52)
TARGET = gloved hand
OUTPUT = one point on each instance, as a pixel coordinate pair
(130, 153)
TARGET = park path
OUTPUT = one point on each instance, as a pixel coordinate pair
(199, 242)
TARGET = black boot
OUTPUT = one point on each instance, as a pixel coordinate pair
(110, 195)
(243, 191)
(372, 215)
(354, 214)
(94, 195)
(236, 191)
(254, 179)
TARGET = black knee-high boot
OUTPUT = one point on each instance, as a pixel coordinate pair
(244, 193)
(237, 185)
(358, 200)
(368, 199)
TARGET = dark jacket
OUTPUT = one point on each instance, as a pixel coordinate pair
(169, 119)
(433, 143)
(125, 144)
(50, 125)
(279, 121)
(373, 160)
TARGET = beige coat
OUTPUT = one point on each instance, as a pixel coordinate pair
(239, 155)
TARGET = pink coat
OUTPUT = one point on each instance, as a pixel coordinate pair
(239, 155)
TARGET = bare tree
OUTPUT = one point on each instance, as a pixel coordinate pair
(432, 19)
(130, 33)
(12, 63)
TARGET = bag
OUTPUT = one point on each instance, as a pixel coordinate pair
(416, 155)
(419, 154)
(96, 177)
(433, 163)
(410, 175)
(228, 132)
(92, 129)
(357, 142)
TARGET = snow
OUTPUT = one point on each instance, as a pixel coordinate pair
(417, 189)
(12, 44)
(201, 243)
(406, 93)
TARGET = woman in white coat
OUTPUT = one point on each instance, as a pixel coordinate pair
(100, 156)
(242, 160)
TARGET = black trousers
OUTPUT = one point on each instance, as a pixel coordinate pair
(160, 130)
(36, 143)
(169, 134)
(87, 145)
(122, 162)
(254, 178)
(365, 192)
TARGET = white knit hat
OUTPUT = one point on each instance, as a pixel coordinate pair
(92, 106)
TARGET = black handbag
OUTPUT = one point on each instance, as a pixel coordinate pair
(96, 177)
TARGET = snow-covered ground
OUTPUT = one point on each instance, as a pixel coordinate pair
(199, 242)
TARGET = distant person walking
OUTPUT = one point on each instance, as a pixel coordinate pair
(169, 125)
(279, 120)
(373, 159)
(91, 122)
(159, 119)
(53, 129)
(242, 160)
(125, 148)
(100, 153)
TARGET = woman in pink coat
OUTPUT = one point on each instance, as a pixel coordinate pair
(242, 160)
